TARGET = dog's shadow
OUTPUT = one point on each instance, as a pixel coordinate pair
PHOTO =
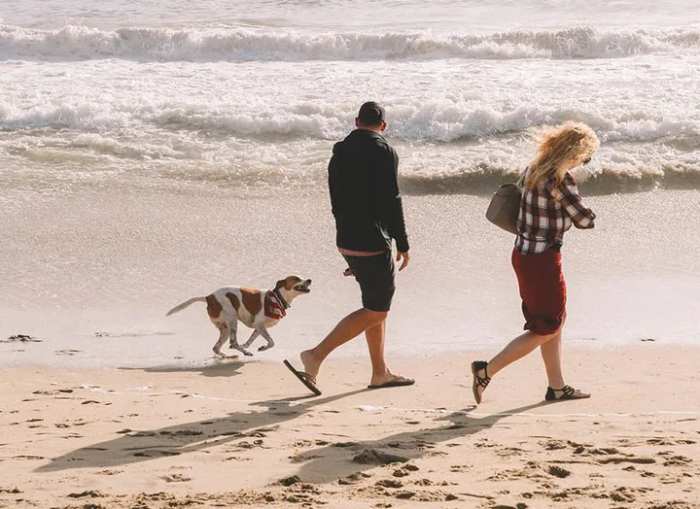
(145, 445)
(226, 367)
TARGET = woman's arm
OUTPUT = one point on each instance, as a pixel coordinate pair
(567, 194)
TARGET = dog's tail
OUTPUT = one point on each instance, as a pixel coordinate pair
(182, 306)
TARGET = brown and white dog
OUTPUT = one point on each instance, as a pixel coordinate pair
(258, 309)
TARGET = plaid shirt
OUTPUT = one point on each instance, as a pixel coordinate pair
(546, 212)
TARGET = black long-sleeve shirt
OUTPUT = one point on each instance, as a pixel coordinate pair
(365, 197)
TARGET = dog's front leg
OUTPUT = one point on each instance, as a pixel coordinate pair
(233, 342)
(270, 341)
(252, 338)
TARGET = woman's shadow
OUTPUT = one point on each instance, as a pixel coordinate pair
(331, 463)
(321, 465)
(137, 446)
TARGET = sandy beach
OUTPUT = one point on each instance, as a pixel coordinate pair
(154, 152)
(247, 434)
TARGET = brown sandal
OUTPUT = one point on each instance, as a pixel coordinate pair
(565, 393)
(479, 382)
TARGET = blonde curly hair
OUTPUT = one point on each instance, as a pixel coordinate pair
(561, 149)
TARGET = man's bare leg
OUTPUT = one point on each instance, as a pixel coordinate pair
(375, 344)
(348, 328)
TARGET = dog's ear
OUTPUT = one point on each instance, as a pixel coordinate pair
(280, 284)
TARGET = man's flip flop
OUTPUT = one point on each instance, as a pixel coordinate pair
(304, 378)
(398, 381)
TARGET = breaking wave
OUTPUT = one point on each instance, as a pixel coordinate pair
(606, 180)
(437, 122)
(239, 44)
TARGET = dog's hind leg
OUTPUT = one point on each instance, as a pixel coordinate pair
(270, 341)
(252, 338)
(223, 334)
(233, 326)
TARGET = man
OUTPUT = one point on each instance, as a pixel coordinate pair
(362, 178)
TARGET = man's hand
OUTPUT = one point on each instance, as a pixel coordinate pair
(404, 258)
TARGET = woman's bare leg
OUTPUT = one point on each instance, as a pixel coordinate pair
(551, 354)
(517, 349)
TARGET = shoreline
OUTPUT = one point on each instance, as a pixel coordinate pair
(105, 275)
(97, 351)
(228, 434)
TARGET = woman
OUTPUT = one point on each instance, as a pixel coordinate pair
(550, 205)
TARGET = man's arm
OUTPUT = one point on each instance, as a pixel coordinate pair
(332, 183)
(567, 194)
(388, 196)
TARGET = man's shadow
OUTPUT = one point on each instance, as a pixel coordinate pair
(137, 446)
(330, 463)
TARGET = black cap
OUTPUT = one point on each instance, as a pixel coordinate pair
(370, 114)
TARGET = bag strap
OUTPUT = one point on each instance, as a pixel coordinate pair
(521, 180)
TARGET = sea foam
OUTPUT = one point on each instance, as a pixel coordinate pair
(239, 44)
(438, 121)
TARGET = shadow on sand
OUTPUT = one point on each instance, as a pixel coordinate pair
(221, 368)
(137, 446)
(330, 463)
(320, 465)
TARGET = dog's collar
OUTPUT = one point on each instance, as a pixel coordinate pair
(278, 296)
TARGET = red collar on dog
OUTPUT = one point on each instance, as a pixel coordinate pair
(274, 306)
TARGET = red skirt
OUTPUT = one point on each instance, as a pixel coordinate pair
(542, 289)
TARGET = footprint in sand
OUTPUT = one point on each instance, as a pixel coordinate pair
(484, 443)
(669, 442)
(627, 459)
(21, 338)
(176, 478)
(405, 470)
(508, 452)
(677, 461)
(389, 483)
(625, 494)
(559, 472)
(86, 494)
(67, 352)
(52, 392)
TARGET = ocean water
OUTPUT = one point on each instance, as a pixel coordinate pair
(135, 135)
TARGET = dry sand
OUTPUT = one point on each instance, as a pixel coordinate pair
(245, 434)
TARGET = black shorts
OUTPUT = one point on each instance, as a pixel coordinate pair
(375, 274)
